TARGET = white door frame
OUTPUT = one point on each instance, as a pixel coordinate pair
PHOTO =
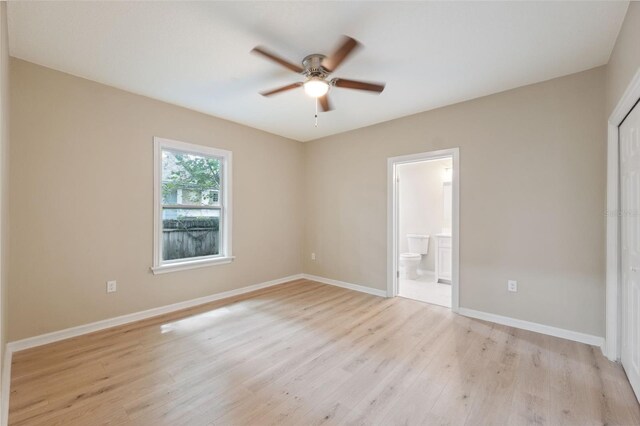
(612, 346)
(392, 218)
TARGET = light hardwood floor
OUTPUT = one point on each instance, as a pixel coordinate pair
(304, 353)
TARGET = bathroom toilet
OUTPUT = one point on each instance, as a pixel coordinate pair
(409, 262)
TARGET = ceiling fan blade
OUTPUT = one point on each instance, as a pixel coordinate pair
(293, 67)
(346, 48)
(281, 89)
(324, 103)
(358, 85)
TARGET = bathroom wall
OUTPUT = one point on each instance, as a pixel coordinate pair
(421, 209)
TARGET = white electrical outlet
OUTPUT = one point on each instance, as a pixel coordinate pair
(111, 286)
(512, 285)
(313, 256)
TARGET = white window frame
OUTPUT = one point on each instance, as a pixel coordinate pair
(161, 266)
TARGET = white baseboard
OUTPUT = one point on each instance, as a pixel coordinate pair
(137, 316)
(67, 333)
(355, 287)
(5, 385)
(55, 336)
(31, 342)
(533, 326)
(499, 319)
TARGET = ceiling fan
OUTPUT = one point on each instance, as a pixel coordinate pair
(316, 68)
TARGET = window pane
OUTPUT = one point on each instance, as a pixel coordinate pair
(190, 179)
(190, 233)
(211, 197)
(170, 196)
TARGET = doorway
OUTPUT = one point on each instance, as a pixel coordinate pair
(423, 227)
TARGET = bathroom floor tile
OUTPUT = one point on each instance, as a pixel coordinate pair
(425, 289)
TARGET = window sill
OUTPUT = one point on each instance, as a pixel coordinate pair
(192, 264)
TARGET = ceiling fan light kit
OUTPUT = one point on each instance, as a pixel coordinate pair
(316, 87)
(317, 68)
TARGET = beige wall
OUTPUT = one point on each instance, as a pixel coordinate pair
(81, 202)
(4, 175)
(624, 62)
(532, 199)
(532, 172)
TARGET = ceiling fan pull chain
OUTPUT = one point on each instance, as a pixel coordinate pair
(316, 112)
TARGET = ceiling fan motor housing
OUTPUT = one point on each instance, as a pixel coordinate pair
(313, 66)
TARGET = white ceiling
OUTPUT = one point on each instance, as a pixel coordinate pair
(196, 54)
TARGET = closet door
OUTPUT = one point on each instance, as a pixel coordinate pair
(630, 245)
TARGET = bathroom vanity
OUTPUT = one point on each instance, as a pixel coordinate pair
(443, 258)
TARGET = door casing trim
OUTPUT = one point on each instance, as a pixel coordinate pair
(392, 219)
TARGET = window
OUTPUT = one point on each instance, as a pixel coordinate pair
(192, 195)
